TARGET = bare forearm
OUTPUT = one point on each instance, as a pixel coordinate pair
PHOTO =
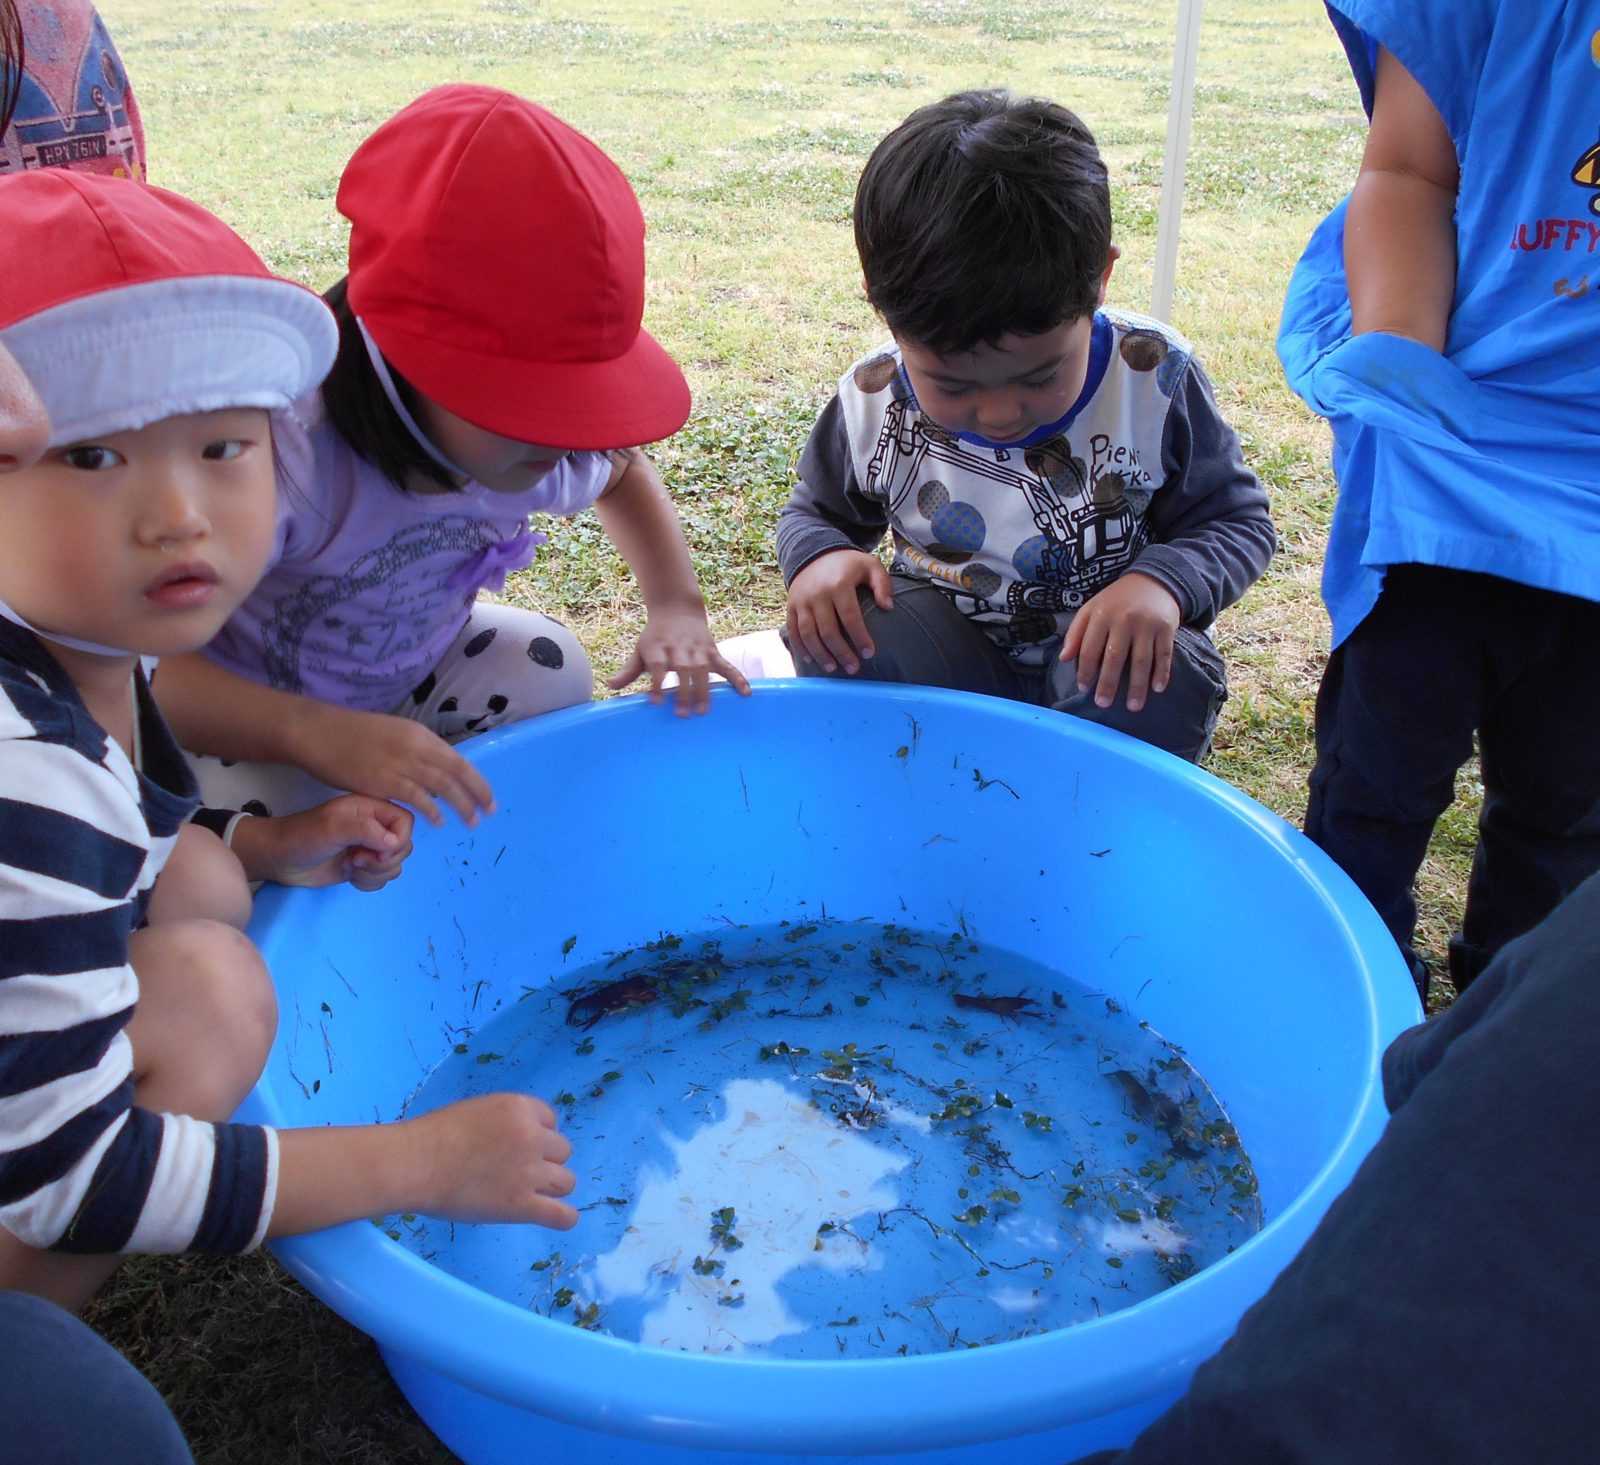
(1400, 232)
(1400, 256)
(213, 710)
(495, 1157)
(639, 518)
(329, 1176)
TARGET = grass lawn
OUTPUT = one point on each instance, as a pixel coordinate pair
(743, 125)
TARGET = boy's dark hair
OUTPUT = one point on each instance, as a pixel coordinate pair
(980, 216)
(362, 414)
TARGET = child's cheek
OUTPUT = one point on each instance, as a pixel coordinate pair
(251, 525)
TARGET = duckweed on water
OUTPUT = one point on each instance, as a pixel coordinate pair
(830, 1139)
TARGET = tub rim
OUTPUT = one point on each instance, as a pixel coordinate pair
(590, 1380)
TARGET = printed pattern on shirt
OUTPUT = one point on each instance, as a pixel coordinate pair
(370, 585)
(375, 609)
(1019, 538)
(75, 108)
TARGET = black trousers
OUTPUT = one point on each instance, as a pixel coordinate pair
(1443, 655)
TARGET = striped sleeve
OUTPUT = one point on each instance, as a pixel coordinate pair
(82, 1168)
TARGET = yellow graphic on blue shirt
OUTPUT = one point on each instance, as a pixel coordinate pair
(1586, 171)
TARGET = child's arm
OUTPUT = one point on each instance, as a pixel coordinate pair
(1211, 537)
(497, 1157)
(637, 514)
(1400, 235)
(826, 534)
(353, 837)
(111, 1052)
(213, 710)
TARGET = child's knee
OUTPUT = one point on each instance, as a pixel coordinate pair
(513, 664)
(239, 993)
(1180, 720)
(202, 880)
(206, 1018)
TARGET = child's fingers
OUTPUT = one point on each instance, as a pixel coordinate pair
(473, 784)
(1090, 650)
(367, 878)
(1112, 661)
(631, 671)
(836, 631)
(806, 632)
(1141, 657)
(655, 662)
(1161, 674)
(854, 628)
(424, 791)
(544, 1114)
(461, 786)
(792, 633)
(422, 800)
(395, 819)
(1072, 642)
(358, 821)
(694, 690)
(555, 1214)
(881, 583)
(837, 649)
(730, 673)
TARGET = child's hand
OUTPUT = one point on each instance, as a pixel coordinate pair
(353, 837)
(824, 620)
(497, 1157)
(1130, 624)
(389, 757)
(677, 639)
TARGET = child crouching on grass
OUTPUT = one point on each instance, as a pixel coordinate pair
(1069, 511)
(492, 365)
(132, 1020)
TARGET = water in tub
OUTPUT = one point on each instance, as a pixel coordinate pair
(829, 1139)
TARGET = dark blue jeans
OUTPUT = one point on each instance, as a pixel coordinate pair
(927, 641)
(1443, 655)
(67, 1397)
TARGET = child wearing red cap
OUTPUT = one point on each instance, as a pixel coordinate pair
(491, 366)
(157, 345)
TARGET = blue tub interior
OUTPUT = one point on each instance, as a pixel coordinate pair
(1129, 871)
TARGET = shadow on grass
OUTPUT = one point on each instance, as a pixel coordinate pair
(257, 1370)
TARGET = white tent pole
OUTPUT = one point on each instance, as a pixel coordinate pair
(1180, 113)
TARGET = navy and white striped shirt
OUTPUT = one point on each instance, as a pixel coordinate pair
(83, 835)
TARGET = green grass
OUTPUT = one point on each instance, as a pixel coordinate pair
(742, 124)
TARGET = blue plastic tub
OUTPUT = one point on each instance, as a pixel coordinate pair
(1174, 894)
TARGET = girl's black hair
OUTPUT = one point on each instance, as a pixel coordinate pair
(981, 216)
(13, 57)
(361, 412)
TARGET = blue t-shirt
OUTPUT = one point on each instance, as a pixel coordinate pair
(1482, 458)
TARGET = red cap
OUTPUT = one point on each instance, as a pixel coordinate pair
(125, 304)
(497, 260)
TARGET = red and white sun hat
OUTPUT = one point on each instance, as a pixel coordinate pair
(497, 262)
(125, 304)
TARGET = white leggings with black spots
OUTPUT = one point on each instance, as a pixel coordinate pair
(507, 664)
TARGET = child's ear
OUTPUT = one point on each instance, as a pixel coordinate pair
(1112, 256)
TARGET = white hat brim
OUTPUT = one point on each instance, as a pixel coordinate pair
(121, 359)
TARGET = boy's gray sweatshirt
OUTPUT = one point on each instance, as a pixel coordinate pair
(1142, 474)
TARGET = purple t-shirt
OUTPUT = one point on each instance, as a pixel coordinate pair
(368, 585)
